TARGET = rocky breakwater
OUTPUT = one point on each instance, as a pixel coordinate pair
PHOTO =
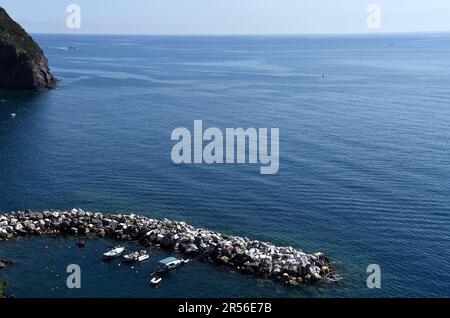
(287, 264)
(23, 65)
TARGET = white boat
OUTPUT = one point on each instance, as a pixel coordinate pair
(170, 263)
(115, 252)
(13, 115)
(143, 257)
(131, 257)
(155, 280)
(136, 256)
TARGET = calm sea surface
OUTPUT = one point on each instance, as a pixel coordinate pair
(364, 169)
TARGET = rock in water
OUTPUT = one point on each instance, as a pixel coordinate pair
(23, 65)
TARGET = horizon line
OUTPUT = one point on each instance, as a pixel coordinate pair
(248, 34)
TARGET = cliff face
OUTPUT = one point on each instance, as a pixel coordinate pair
(23, 65)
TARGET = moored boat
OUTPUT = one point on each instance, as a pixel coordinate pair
(131, 257)
(115, 252)
(170, 263)
(155, 280)
(139, 256)
(143, 256)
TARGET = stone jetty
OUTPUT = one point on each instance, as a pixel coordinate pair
(287, 264)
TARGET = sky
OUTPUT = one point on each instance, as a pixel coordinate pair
(191, 17)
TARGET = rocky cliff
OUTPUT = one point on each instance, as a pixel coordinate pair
(23, 65)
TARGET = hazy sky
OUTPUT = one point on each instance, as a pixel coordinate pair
(230, 16)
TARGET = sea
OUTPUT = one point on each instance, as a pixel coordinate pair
(364, 171)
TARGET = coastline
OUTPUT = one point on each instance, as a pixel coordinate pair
(285, 264)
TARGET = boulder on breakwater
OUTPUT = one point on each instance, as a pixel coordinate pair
(286, 264)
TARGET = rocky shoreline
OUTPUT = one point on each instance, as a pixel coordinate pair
(286, 264)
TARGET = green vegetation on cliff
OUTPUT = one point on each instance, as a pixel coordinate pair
(12, 33)
(23, 64)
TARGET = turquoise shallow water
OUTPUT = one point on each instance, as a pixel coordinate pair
(364, 168)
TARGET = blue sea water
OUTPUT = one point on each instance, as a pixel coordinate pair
(364, 157)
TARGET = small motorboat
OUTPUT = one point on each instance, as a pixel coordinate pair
(155, 280)
(80, 243)
(69, 48)
(115, 252)
(170, 263)
(13, 115)
(131, 257)
(143, 256)
(140, 256)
